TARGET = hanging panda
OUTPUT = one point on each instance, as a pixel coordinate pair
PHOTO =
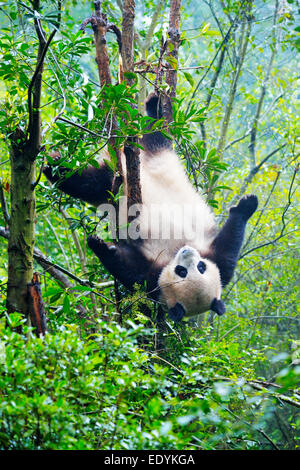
(186, 273)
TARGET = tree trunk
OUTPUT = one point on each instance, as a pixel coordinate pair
(24, 149)
(21, 224)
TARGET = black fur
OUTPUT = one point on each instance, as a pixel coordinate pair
(218, 306)
(226, 246)
(125, 261)
(89, 185)
(177, 312)
(154, 141)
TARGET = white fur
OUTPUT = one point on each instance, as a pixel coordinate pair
(166, 191)
(165, 188)
(196, 291)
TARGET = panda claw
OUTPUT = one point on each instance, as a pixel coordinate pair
(246, 206)
(95, 243)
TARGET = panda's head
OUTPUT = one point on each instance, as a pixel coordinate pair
(190, 285)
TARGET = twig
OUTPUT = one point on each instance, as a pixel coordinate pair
(282, 234)
(60, 118)
(262, 210)
(254, 171)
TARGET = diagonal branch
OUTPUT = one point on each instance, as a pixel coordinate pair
(58, 272)
(35, 85)
(284, 224)
(254, 171)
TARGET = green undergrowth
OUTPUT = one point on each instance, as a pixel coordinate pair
(110, 391)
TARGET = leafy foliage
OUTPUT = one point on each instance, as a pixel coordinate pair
(100, 379)
(105, 392)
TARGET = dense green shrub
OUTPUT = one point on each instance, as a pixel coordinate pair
(106, 392)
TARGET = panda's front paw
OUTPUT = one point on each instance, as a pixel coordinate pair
(55, 156)
(52, 170)
(246, 206)
(96, 244)
(177, 312)
(100, 247)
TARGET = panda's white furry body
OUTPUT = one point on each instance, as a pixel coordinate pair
(173, 212)
(178, 252)
(175, 218)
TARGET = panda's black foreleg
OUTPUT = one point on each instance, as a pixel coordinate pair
(227, 244)
(124, 262)
(90, 185)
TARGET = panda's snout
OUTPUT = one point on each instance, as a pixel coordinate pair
(187, 251)
(186, 255)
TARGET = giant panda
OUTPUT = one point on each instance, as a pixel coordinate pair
(188, 273)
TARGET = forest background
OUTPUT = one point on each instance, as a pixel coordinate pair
(105, 375)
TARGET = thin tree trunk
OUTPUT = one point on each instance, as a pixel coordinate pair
(172, 58)
(144, 46)
(174, 38)
(132, 152)
(211, 89)
(21, 224)
(254, 129)
(25, 147)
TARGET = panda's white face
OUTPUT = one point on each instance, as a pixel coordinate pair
(190, 282)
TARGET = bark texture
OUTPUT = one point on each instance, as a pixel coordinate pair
(21, 224)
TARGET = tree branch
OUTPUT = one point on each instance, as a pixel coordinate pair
(282, 234)
(254, 129)
(244, 40)
(58, 272)
(132, 152)
(35, 85)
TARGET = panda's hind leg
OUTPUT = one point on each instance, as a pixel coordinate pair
(154, 142)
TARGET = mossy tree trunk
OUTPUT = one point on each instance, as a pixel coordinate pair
(21, 224)
(25, 147)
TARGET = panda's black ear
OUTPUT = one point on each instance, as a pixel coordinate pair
(177, 312)
(153, 106)
(218, 306)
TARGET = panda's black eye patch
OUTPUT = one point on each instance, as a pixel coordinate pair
(201, 267)
(181, 271)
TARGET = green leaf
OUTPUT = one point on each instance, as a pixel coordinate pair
(189, 78)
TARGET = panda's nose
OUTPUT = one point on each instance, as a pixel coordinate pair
(186, 250)
(186, 255)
